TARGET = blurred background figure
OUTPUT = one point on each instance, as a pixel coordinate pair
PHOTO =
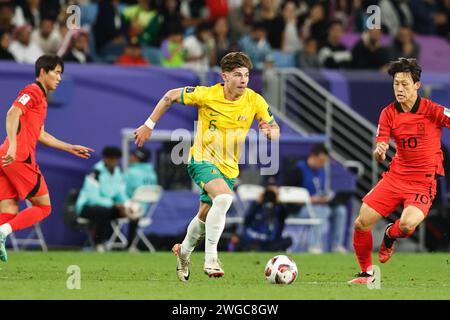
(79, 48)
(308, 58)
(368, 53)
(132, 56)
(200, 48)
(172, 49)
(5, 42)
(404, 45)
(22, 48)
(256, 45)
(310, 174)
(140, 171)
(47, 36)
(264, 224)
(333, 54)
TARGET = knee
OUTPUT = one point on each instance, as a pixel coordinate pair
(407, 227)
(223, 201)
(361, 224)
(45, 210)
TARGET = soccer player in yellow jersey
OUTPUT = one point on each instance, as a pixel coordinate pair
(225, 114)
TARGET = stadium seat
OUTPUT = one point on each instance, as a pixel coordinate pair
(299, 196)
(283, 59)
(152, 54)
(145, 195)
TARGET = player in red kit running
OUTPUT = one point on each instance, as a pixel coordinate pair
(20, 176)
(415, 125)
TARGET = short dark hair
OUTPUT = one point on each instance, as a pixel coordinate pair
(405, 65)
(111, 152)
(235, 60)
(48, 62)
(319, 149)
(143, 154)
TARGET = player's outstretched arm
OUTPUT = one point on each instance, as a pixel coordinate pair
(12, 124)
(271, 131)
(380, 151)
(52, 142)
(144, 132)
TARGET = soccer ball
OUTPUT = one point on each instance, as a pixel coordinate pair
(281, 270)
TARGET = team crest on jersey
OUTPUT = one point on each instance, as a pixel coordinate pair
(242, 118)
(24, 99)
(214, 171)
(421, 128)
(190, 89)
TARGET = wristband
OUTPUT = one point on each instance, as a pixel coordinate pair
(150, 124)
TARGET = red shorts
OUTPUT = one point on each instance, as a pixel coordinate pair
(389, 193)
(21, 180)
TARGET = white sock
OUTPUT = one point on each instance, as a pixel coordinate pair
(215, 223)
(195, 232)
(5, 229)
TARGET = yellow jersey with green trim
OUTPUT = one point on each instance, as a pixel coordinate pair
(223, 124)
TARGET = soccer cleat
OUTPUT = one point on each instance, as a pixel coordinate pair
(362, 278)
(213, 268)
(387, 246)
(3, 254)
(182, 264)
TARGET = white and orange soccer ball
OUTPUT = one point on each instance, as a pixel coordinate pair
(281, 270)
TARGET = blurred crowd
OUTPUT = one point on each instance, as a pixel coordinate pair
(196, 34)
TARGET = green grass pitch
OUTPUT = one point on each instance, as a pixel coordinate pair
(116, 275)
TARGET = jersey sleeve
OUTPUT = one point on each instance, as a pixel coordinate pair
(263, 110)
(194, 95)
(384, 127)
(26, 100)
(441, 115)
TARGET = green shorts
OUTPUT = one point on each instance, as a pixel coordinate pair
(203, 172)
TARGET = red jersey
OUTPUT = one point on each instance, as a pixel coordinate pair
(417, 136)
(33, 103)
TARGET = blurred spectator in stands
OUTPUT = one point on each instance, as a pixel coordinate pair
(79, 48)
(172, 49)
(404, 45)
(31, 12)
(22, 48)
(140, 171)
(314, 23)
(102, 197)
(308, 58)
(193, 12)
(241, 19)
(333, 54)
(442, 19)
(200, 48)
(291, 41)
(268, 14)
(47, 36)
(222, 39)
(5, 42)
(310, 174)
(345, 11)
(109, 28)
(255, 45)
(368, 53)
(263, 224)
(144, 22)
(394, 14)
(217, 9)
(6, 16)
(427, 16)
(171, 18)
(132, 56)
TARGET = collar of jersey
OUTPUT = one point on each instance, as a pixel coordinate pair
(414, 108)
(42, 88)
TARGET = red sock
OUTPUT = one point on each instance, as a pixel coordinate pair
(363, 245)
(29, 216)
(395, 232)
(5, 217)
